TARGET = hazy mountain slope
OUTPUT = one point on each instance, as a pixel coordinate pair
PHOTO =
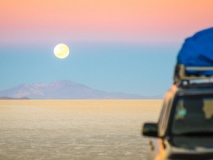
(63, 89)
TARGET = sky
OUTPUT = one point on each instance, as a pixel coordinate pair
(115, 45)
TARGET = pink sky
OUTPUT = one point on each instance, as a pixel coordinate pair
(103, 20)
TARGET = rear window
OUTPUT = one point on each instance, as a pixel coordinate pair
(193, 114)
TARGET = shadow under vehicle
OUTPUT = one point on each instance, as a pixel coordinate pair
(184, 130)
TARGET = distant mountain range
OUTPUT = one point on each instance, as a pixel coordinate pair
(63, 89)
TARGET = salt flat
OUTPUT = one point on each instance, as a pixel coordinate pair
(75, 129)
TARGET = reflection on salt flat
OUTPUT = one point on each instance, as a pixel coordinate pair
(81, 130)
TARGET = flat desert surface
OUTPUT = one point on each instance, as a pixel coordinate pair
(75, 129)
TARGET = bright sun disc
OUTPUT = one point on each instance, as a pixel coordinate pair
(61, 51)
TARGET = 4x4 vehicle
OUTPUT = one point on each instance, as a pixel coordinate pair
(185, 127)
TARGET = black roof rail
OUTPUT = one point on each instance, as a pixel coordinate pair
(182, 79)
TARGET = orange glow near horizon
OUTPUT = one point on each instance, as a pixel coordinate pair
(100, 18)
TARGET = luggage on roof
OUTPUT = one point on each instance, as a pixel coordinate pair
(195, 58)
(197, 52)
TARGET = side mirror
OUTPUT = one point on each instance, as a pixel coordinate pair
(150, 130)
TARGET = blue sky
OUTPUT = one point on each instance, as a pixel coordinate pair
(144, 69)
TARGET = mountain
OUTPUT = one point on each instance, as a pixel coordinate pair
(63, 89)
(9, 98)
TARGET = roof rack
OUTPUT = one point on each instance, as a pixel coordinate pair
(183, 79)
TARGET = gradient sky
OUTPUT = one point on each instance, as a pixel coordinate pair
(116, 45)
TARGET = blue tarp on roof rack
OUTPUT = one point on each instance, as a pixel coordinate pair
(197, 51)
